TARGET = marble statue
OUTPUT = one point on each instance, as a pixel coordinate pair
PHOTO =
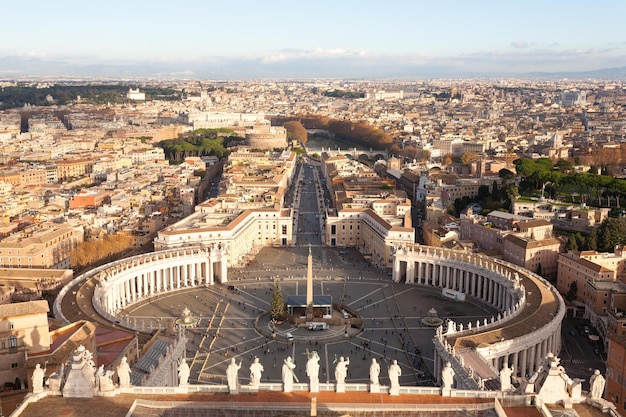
(123, 372)
(232, 375)
(255, 372)
(505, 378)
(597, 383)
(183, 373)
(288, 374)
(341, 370)
(447, 376)
(394, 375)
(374, 372)
(38, 375)
(313, 370)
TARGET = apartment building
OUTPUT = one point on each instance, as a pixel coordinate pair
(370, 233)
(40, 247)
(89, 199)
(521, 240)
(23, 331)
(464, 187)
(73, 168)
(616, 372)
(537, 255)
(584, 266)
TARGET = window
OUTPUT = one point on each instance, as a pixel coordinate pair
(14, 365)
(11, 326)
(12, 341)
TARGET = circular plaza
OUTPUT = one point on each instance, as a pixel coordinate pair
(383, 314)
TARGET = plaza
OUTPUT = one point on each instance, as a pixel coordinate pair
(384, 324)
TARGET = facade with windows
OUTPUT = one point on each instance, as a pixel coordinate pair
(40, 248)
(238, 232)
(616, 373)
(23, 331)
(371, 234)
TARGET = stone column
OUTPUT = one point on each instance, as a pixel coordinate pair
(224, 264)
(417, 272)
(126, 293)
(209, 272)
(523, 363)
(531, 363)
(134, 287)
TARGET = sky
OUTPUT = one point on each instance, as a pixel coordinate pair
(349, 36)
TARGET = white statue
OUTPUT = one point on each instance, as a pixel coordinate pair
(183, 373)
(255, 372)
(447, 376)
(38, 375)
(105, 379)
(597, 383)
(505, 378)
(123, 372)
(394, 375)
(288, 374)
(232, 375)
(313, 370)
(99, 377)
(374, 372)
(341, 370)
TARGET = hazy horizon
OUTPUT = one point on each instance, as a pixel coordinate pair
(348, 39)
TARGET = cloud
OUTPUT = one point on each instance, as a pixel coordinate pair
(520, 44)
(317, 53)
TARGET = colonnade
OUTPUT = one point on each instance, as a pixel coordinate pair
(496, 283)
(127, 282)
(483, 284)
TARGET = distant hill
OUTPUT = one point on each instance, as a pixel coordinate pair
(602, 73)
(239, 68)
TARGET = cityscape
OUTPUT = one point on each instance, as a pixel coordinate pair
(426, 219)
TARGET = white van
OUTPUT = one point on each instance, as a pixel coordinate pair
(289, 337)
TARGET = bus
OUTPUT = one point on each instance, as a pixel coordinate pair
(318, 326)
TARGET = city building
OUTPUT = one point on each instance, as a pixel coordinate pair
(23, 332)
(40, 247)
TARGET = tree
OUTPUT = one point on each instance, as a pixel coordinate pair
(277, 308)
(506, 175)
(467, 157)
(571, 243)
(423, 155)
(573, 290)
(564, 166)
(296, 131)
(495, 193)
(591, 242)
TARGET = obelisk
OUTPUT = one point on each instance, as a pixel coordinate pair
(309, 286)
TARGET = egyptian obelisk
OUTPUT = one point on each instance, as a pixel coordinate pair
(309, 286)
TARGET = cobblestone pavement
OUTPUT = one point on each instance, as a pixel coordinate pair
(234, 323)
